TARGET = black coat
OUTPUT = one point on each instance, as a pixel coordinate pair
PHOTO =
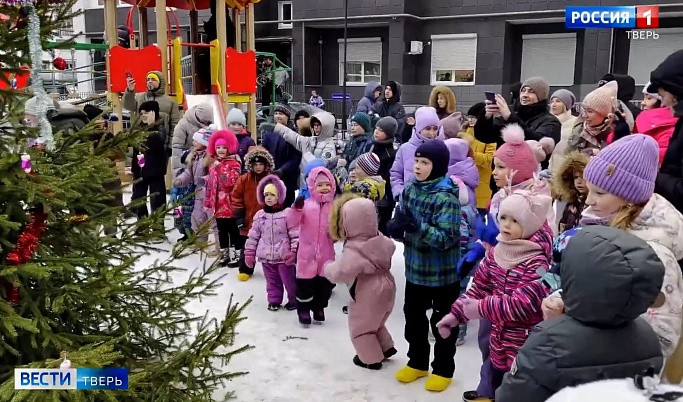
(392, 107)
(286, 157)
(387, 155)
(155, 155)
(669, 182)
(534, 119)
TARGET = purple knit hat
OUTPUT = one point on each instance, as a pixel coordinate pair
(626, 168)
(424, 117)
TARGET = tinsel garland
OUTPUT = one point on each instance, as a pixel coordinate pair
(27, 244)
(42, 99)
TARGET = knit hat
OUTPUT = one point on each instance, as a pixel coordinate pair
(154, 76)
(602, 99)
(437, 152)
(388, 125)
(626, 168)
(202, 136)
(369, 163)
(150, 106)
(528, 209)
(236, 116)
(654, 94)
(566, 96)
(542, 148)
(270, 189)
(476, 109)
(363, 120)
(539, 86)
(426, 117)
(451, 124)
(283, 109)
(523, 159)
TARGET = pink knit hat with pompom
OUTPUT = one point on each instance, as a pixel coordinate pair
(522, 157)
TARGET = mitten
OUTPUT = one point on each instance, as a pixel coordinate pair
(299, 202)
(400, 224)
(488, 231)
(239, 217)
(250, 260)
(470, 259)
(471, 309)
(290, 258)
(447, 323)
(621, 128)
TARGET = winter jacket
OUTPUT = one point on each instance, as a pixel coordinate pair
(371, 188)
(577, 143)
(450, 101)
(562, 188)
(387, 156)
(402, 169)
(244, 196)
(464, 170)
(195, 118)
(357, 145)
(245, 142)
(659, 124)
(567, 120)
(272, 237)
(286, 158)
(601, 334)
(468, 229)
(510, 298)
(316, 101)
(155, 155)
(322, 146)
(316, 247)
(670, 178)
(167, 105)
(432, 252)
(197, 168)
(483, 158)
(220, 183)
(367, 102)
(392, 107)
(366, 262)
(535, 119)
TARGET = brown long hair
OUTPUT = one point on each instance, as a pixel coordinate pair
(626, 216)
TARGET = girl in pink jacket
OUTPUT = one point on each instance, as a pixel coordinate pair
(316, 247)
(366, 262)
(274, 241)
(506, 289)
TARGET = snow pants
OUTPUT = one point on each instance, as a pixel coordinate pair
(486, 372)
(369, 333)
(200, 215)
(313, 294)
(279, 275)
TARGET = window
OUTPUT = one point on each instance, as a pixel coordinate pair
(284, 13)
(550, 56)
(363, 61)
(645, 55)
(454, 59)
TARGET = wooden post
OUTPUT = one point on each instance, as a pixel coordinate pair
(144, 30)
(251, 45)
(112, 40)
(222, 33)
(194, 38)
(162, 40)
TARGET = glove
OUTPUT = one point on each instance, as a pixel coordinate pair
(447, 323)
(469, 260)
(488, 231)
(250, 261)
(290, 258)
(299, 202)
(552, 307)
(401, 224)
(621, 128)
(239, 217)
(471, 309)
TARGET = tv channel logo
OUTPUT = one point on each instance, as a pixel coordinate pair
(644, 17)
(82, 378)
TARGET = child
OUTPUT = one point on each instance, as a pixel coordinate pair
(316, 247)
(367, 184)
(340, 173)
(184, 197)
(220, 182)
(314, 163)
(428, 219)
(568, 186)
(236, 122)
(274, 241)
(361, 137)
(365, 262)
(198, 163)
(506, 289)
(258, 164)
(427, 128)
(352, 173)
(383, 147)
(612, 279)
(656, 121)
(149, 168)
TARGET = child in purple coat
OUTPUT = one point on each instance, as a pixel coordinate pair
(275, 242)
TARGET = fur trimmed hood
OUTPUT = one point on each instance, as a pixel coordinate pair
(226, 135)
(450, 99)
(562, 184)
(255, 152)
(337, 232)
(279, 185)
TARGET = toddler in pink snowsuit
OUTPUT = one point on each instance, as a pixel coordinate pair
(366, 261)
(274, 241)
(316, 247)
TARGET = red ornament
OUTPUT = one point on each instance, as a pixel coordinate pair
(13, 297)
(59, 63)
(27, 244)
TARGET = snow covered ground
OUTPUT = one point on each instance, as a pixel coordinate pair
(319, 367)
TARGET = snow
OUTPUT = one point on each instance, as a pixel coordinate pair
(318, 368)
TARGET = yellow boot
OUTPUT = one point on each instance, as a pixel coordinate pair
(436, 383)
(243, 277)
(409, 374)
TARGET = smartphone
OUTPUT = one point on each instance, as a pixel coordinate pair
(129, 74)
(490, 96)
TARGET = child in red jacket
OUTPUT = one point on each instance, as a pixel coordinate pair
(220, 182)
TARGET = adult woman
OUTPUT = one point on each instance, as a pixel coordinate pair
(443, 100)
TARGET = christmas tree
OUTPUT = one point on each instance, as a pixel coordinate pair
(71, 295)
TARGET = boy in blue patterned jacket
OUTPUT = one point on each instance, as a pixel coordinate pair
(183, 197)
(428, 219)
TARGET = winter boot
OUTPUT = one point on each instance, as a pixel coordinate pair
(472, 396)
(359, 363)
(319, 316)
(273, 307)
(225, 258)
(234, 258)
(304, 317)
(390, 352)
(408, 374)
(243, 277)
(290, 306)
(436, 383)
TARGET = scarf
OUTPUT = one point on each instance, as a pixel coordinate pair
(595, 134)
(589, 219)
(272, 210)
(510, 253)
(526, 112)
